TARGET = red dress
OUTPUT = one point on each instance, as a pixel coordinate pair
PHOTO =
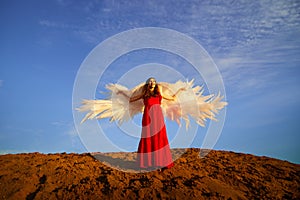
(154, 150)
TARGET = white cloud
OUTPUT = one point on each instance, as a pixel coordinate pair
(54, 24)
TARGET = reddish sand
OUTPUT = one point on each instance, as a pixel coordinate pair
(219, 175)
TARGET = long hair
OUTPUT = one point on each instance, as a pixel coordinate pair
(147, 92)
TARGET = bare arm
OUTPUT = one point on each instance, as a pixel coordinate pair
(179, 90)
(131, 99)
(167, 97)
(170, 98)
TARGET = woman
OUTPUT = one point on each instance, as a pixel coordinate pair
(153, 150)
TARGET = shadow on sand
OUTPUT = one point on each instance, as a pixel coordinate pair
(123, 164)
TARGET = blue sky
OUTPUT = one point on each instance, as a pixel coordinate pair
(256, 46)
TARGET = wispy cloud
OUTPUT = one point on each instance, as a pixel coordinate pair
(59, 25)
(59, 123)
(74, 137)
(24, 130)
(249, 43)
(1, 83)
(264, 109)
(264, 61)
(247, 77)
(13, 151)
(68, 129)
(217, 25)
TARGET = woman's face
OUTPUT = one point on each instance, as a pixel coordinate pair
(152, 83)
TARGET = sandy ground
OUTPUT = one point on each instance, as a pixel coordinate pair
(218, 175)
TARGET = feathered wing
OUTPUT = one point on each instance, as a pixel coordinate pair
(190, 103)
(116, 107)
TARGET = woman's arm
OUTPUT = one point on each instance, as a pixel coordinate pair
(179, 90)
(131, 99)
(171, 98)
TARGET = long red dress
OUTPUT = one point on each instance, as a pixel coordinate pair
(154, 150)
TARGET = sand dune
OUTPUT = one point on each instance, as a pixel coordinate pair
(218, 175)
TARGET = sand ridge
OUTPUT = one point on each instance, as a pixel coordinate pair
(218, 175)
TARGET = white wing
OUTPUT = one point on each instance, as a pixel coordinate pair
(116, 106)
(190, 103)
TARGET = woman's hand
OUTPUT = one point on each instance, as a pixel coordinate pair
(120, 92)
(174, 96)
(183, 89)
(179, 90)
(123, 93)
